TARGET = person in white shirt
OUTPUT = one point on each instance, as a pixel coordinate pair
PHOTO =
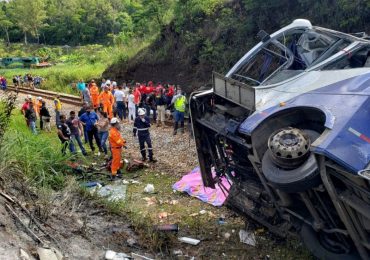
(131, 107)
(119, 97)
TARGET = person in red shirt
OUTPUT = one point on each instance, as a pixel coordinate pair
(25, 106)
(170, 93)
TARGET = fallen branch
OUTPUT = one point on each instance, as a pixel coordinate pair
(6, 197)
(33, 235)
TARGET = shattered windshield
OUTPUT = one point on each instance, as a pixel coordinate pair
(288, 55)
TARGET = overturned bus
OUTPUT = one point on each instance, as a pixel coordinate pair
(289, 125)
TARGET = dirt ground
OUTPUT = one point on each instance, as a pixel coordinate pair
(84, 228)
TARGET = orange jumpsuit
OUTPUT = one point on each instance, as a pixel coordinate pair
(116, 142)
(94, 93)
(38, 107)
(107, 99)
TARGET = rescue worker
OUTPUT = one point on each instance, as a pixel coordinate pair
(116, 143)
(38, 109)
(179, 102)
(94, 93)
(141, 128)
(58, 109)
(107, 100)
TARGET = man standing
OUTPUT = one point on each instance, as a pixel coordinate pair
(161, 102)
(89, 120)
(116, 143)
(179, 102)
(119, 96)
(80, 113)
(106, 99)
(85, 93)
(31, 117)
(45, 116)
(64, 134)
(76, 130)
(58, 109)
(141, 127)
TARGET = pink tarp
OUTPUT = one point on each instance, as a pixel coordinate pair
(193, 185)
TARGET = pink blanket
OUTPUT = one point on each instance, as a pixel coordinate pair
(192, 184)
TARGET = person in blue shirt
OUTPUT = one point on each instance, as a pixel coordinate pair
(90, 119)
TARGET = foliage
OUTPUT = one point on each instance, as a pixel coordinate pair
(33, 156)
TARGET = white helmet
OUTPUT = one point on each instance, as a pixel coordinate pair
(114, 120)
(141, 111)
(29, 96)
(39, 98)
(107, 82)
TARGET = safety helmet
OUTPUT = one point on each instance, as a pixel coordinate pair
(39, 98)
(107, 82)
(114, 120)
(29, 96)
(141, 111)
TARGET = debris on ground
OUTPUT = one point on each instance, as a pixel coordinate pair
(23, 255)
(49, 254)
(188, 240)
(177, 252)
(111, 255)
(192, 184)
(110, 192)
(168, 227)
(247, 237)
(149, 188)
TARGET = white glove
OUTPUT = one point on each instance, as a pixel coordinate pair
(143, 120)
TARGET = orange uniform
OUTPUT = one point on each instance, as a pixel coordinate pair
(116, 142)
(107, 99)
(38, 107)
(94, 93)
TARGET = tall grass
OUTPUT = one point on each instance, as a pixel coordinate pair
(33, 157)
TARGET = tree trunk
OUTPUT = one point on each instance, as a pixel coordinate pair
(25, 38)
(7, 37)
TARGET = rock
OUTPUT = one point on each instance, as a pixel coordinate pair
(47, 254)
(227, 235)
(202, 212)
(23, 255)
(149, 188)
(109, 255)
(131, 242)
(177, 252)
(247, 237)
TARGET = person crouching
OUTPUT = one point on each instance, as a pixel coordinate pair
(116, 143)
(141, 127)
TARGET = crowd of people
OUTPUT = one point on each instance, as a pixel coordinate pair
(104, 110)
(27, 81)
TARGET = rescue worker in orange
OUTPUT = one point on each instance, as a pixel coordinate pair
(107, 100)
(116, 143)
(94, 93)
(37, 108)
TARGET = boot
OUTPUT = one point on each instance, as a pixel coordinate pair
(152, 160)
(175, 129)
(143, 155)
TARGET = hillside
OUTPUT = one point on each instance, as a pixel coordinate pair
(200, 40)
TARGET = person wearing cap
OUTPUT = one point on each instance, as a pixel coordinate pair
(57, 109)
(141, 128)
(107, 100)
(116, 143)
(94, 93)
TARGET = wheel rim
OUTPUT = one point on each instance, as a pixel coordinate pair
(289, 147)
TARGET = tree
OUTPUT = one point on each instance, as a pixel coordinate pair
(28, 16)
(5, 22)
